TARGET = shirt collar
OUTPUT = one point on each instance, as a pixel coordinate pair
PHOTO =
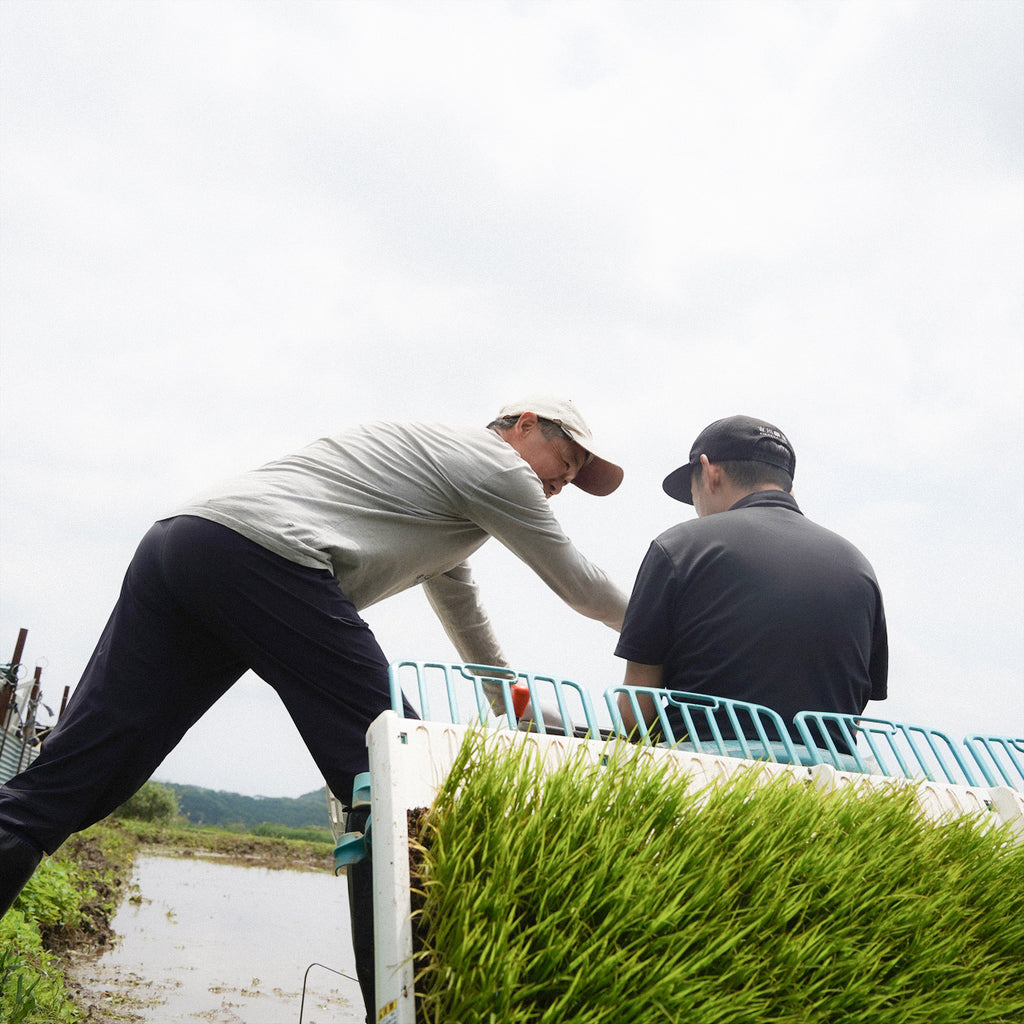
(768, 499)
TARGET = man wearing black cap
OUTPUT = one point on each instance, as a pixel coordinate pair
(752, 601)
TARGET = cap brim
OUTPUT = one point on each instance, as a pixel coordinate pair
(598, 477)
(678, 484)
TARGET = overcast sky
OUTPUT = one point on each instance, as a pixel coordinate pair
(231, 228)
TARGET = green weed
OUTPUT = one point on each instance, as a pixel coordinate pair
(31, 983)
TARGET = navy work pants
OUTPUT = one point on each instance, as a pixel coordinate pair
(199, 606)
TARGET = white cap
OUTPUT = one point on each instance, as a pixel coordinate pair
(598, 476)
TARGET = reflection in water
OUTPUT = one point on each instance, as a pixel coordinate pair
(230, 945)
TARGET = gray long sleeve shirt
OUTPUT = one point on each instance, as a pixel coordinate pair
(386, 506)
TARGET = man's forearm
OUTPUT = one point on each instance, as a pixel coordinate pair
(644, 676)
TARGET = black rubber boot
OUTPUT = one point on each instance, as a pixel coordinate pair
(18, 860)
(360, 901)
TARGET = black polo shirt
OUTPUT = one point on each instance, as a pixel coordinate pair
(760, 604)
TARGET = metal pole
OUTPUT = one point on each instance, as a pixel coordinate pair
(10, 687)
(18, 648)
(29, 722)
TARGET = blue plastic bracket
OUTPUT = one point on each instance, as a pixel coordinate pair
(351, 849)
(361, 790)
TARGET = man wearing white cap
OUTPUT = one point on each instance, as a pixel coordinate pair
(269, 571)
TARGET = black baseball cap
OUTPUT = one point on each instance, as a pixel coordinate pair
(733, 439)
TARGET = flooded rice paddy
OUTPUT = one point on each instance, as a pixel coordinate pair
(203, 941)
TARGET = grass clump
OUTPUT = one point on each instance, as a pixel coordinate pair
(68, 903)
(617, 894)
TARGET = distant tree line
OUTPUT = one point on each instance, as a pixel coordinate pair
(219, 809)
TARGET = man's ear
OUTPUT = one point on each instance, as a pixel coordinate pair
(526, 422)
(712, 474)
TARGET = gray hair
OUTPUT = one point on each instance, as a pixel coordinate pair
(548, 428)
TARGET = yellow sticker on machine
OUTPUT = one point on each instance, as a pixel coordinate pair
(388, 1014)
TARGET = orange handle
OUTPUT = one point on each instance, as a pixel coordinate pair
(520, 698)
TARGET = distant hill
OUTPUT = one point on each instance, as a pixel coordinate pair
(217, 808)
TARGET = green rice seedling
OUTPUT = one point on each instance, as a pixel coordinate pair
(620, 893)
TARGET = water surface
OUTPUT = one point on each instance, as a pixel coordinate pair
(219, 943)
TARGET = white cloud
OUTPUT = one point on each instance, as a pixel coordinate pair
(231, 227)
